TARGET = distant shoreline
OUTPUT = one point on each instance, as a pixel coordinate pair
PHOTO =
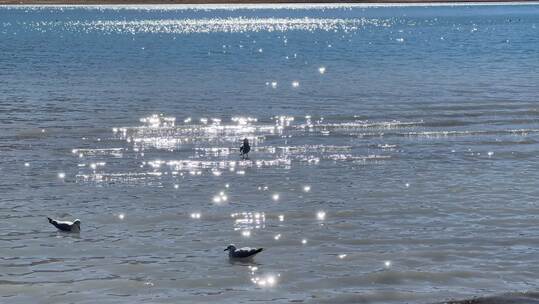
(224, 2)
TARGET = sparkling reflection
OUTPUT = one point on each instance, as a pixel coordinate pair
(213, 25)
(164, 148)
(220, 198)
(265, 281)
(249, 220)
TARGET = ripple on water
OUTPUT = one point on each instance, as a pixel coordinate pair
(212, 25)
(211, 147)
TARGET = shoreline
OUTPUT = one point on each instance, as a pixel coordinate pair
(506, 298)
(254, 2)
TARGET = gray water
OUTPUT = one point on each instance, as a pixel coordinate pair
(394, 153)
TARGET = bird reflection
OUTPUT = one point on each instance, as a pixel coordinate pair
(249, 263)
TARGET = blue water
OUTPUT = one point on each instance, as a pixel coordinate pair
(394, 152)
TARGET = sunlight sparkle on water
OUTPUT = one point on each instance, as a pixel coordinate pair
(213, 25)
(306, 188)
(304, 241)
(149, 284)
(27, 164)
(322, 70)
(277, 237)
(121, 216)
(195, 215)
(321, 215)
(387, 264)
(275, 197)
(220, 198)
(342, 256)
(266, 281)
(281, 217)
(246, 233)
(61, 175)
(295, 84)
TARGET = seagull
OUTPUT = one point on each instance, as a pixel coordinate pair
(244, 253)
(66, 226)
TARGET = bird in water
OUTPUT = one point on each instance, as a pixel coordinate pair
(66, 226)
(244, 253)
(244, 149)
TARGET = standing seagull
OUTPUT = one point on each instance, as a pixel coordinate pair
(244, 253)
(244, 149)
(66, 226)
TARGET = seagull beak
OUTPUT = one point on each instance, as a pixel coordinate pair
(225, 249)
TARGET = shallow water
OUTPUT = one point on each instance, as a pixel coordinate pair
(394, 153)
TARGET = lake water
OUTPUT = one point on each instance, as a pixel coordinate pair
(395, 153)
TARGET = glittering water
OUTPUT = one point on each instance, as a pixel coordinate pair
(394, 152)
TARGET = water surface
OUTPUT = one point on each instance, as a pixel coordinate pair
(394, 153)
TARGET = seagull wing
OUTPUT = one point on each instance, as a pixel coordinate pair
(246, 252)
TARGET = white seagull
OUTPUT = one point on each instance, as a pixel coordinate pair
(66, 226)
(245, 253)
